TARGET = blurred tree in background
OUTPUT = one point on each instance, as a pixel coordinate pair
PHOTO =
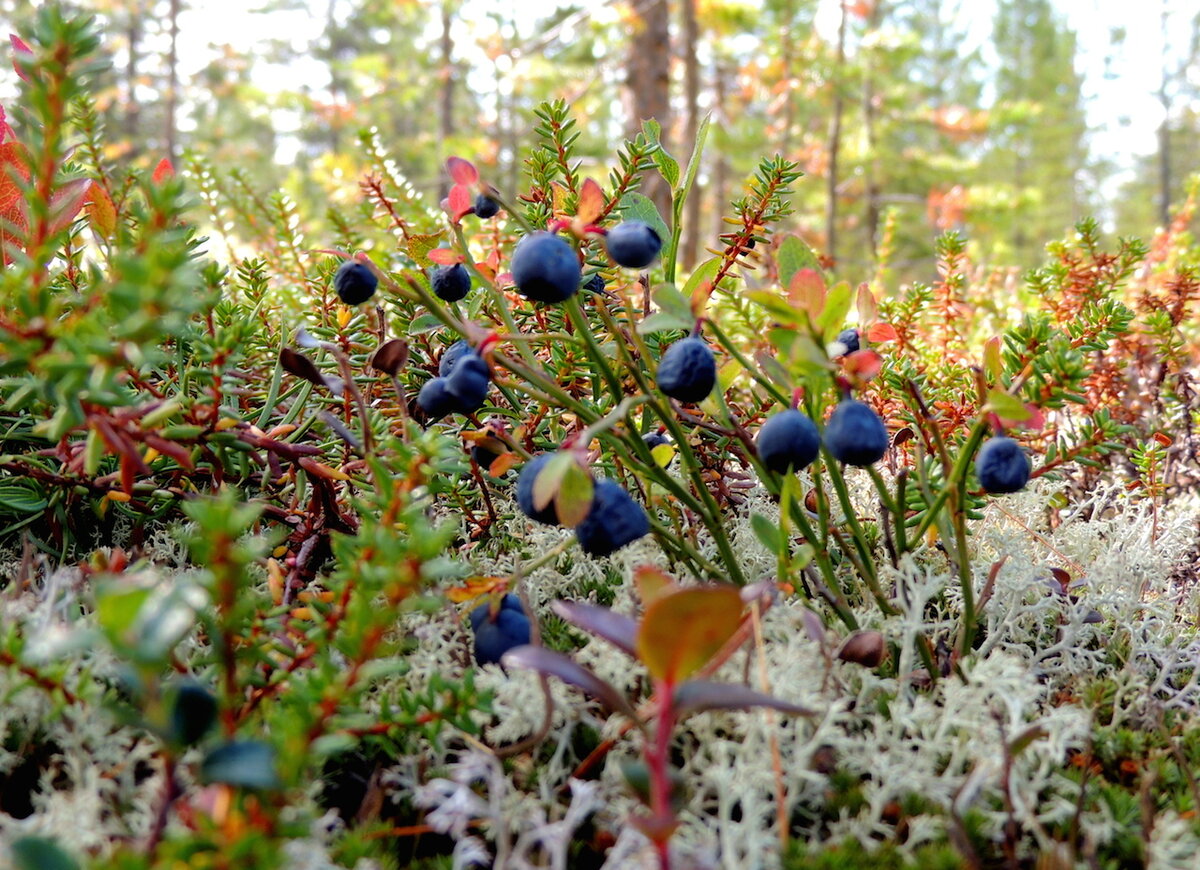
(910, 117)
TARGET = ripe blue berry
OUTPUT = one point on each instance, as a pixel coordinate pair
(688, 370)
(1002, 466)
(633, 244)
(496, 634)
(855, 435)
(613, 520)
(450, 283)
(435, 400)
(545, 268)
(547, 515)
(484, 456)
(485, 206)
(849, 338)
(451, 357)
(657, 439)
(468, 383)
(788, 441)
(354, 282)
(193, 714)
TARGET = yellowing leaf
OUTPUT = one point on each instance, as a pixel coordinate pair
(101, 211)
(573, 500)
(1006, 406)
(682, 630)
(591, 202)
(652, 583)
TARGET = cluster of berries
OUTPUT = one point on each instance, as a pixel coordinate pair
(461, 385)
(613, 520)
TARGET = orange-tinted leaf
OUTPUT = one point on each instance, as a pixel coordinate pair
(5, 130)
(13, 220)
(652, 583)
(1163, 438)
(502, 464)
(474, 587)
(682, 630)
(101, 210)
(321, 470)
(163, 171)
(806, 293)
(591, 202)
(881, 332)
(992, 362)
(462, 171)
(868, 309)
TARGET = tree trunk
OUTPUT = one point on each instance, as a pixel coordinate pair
(691, 90)
(871, 224)
(1164, 132)
(835, 140)
(648, 80)
(132, 109)
(721, 170)
(172, 103)
(446, 100)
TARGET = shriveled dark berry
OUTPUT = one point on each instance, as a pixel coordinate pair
(468, 383)
(855, 435)
(451, 356)
(547, 515)
(545, 268)
(450, 283)
(633, 244)
(497, 633)
(849, 339)
(788, 441)
(594, 284)
(354, 282)
(688, 370)
(485, 206)
(1002, 466)
(613, 520)
(435, 399)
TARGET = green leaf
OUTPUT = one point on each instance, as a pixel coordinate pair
(667, 165)
(693, 166)
(21, 498)
(241, 763)
(766, 532)
(1006, 406)
(683, 629)
(776, 306)
(793, 256)
(662, 322)
(703, 274)
(545, 487)
(668, 299)
(40, 853)
(837, 305)
(424, 323)
(636, 207)
(573, 500)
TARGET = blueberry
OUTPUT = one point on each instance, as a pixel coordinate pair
(354, 282)
(468, 383)
(193, 713)
(594, 284)
(545, 268)
(1002, 466)
(451, 356)
(855, 435)
(547, 515)
(633, 244)
(450, 283)
(688, 370)
(849, 338)
(435, 400)
(484, 456)
(613, 520)
(497, 633)
(485, 206)
(788, 441)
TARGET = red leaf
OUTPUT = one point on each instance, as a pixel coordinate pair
(163, 171)
(462, 171)
(591, 202)
(5, 130)
(863, 363)
(66, 202)
(13, 220)
(459, 202)
(445, 256)
(880, 332)
(806, 292)
(19, 47)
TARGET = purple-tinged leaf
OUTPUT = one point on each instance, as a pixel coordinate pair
(301, 366)
(695, 696)
(555, 664)
(616, 628)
